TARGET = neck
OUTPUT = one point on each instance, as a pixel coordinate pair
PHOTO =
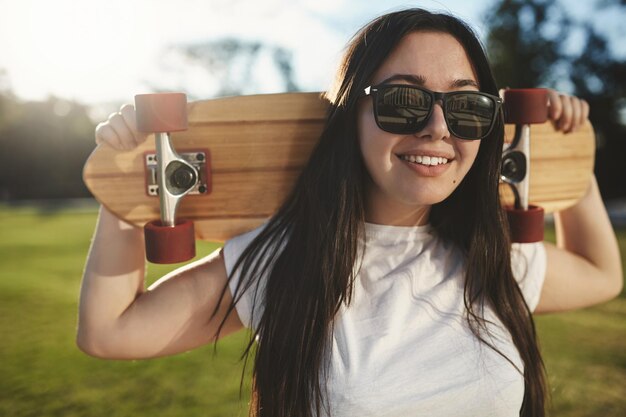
(396, 213)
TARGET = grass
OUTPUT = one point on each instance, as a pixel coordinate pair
(585, 355)
(44, 374)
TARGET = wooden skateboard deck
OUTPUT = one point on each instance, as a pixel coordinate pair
(257, 145)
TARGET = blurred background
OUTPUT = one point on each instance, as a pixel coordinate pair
(66, 64)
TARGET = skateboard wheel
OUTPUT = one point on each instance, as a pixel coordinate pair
(162, 112)
(169, 244)
(526, 226)
(526, 106)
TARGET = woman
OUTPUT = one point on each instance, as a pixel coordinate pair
(386, 284)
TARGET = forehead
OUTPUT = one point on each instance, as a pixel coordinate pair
(437, 57)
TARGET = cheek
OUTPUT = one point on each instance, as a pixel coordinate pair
(468, 150)
(371, 144)
(376, 153)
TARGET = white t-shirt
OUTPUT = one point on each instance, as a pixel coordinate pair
(403, 347)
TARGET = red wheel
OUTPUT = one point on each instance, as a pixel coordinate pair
(526, 106)
(169, 244)
(163, 112)
(526, 225)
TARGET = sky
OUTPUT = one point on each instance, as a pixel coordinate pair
(104, 51)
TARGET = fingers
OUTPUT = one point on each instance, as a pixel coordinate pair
(120, 130)
(585, 110)
(125, 135)
(555, 107)
(565, 121)
(567, 113)
(128, 113)
(106, 134)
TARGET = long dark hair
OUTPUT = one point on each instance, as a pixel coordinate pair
(307, 252)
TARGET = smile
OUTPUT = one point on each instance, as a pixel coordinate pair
(424, 159)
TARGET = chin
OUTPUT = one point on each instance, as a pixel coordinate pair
(427, 197)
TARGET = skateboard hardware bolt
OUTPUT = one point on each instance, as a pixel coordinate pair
(513, 167)
(200, 157)
(180, 177)
(202, 189)
(184, 177)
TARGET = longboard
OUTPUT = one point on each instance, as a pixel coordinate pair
(253, 148)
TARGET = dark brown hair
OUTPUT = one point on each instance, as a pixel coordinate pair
(307, 252)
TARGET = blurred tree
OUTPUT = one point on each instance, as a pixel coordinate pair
(524, 39)
(43, 146)
(239, 66)
(7, 110)
(529, 43)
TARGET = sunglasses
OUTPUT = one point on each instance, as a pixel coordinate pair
(405, 109)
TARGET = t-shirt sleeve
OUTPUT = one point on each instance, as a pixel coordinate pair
(529, 262)
(233, 249)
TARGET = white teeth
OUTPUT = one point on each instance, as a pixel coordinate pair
(425, 160)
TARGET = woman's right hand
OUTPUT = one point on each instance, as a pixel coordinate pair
(118, 317)
(120, 130)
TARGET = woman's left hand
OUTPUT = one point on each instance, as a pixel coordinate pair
(566, 112)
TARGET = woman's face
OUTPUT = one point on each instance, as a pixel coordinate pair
(401, 192)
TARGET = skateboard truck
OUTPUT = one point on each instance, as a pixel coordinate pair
(522, 107)
(168, 240)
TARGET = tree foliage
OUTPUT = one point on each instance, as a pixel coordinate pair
(524, 40)
(43, 146)
(532, 43)
(239, 67)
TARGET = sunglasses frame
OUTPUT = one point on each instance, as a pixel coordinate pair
(435, 96)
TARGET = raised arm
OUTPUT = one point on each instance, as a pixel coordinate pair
(584, 267)
(118, 318)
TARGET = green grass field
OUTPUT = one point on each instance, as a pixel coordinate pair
(44, 374)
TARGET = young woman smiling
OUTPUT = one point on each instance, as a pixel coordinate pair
(386, 284)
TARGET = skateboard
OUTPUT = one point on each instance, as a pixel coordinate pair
(237, 158)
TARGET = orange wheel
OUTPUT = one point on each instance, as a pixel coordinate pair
(162, 112)
(170, 244)
(526, 106)
(526, 225)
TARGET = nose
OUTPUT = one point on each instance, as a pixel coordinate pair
(436, 128)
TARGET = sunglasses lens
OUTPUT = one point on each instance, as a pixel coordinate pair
(470, 116)
(402, 109)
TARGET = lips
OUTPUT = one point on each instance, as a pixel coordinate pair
(427, 158)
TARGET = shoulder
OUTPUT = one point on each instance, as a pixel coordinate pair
(233, 248)
(529, 264)
(247, 287)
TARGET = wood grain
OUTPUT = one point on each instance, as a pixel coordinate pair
(259, 144)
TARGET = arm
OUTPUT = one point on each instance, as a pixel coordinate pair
(117, 317)
(584, 268)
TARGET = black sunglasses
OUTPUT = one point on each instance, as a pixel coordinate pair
(405, 109)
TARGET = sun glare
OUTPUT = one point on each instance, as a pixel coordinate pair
(97, 51)
(69, 47)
